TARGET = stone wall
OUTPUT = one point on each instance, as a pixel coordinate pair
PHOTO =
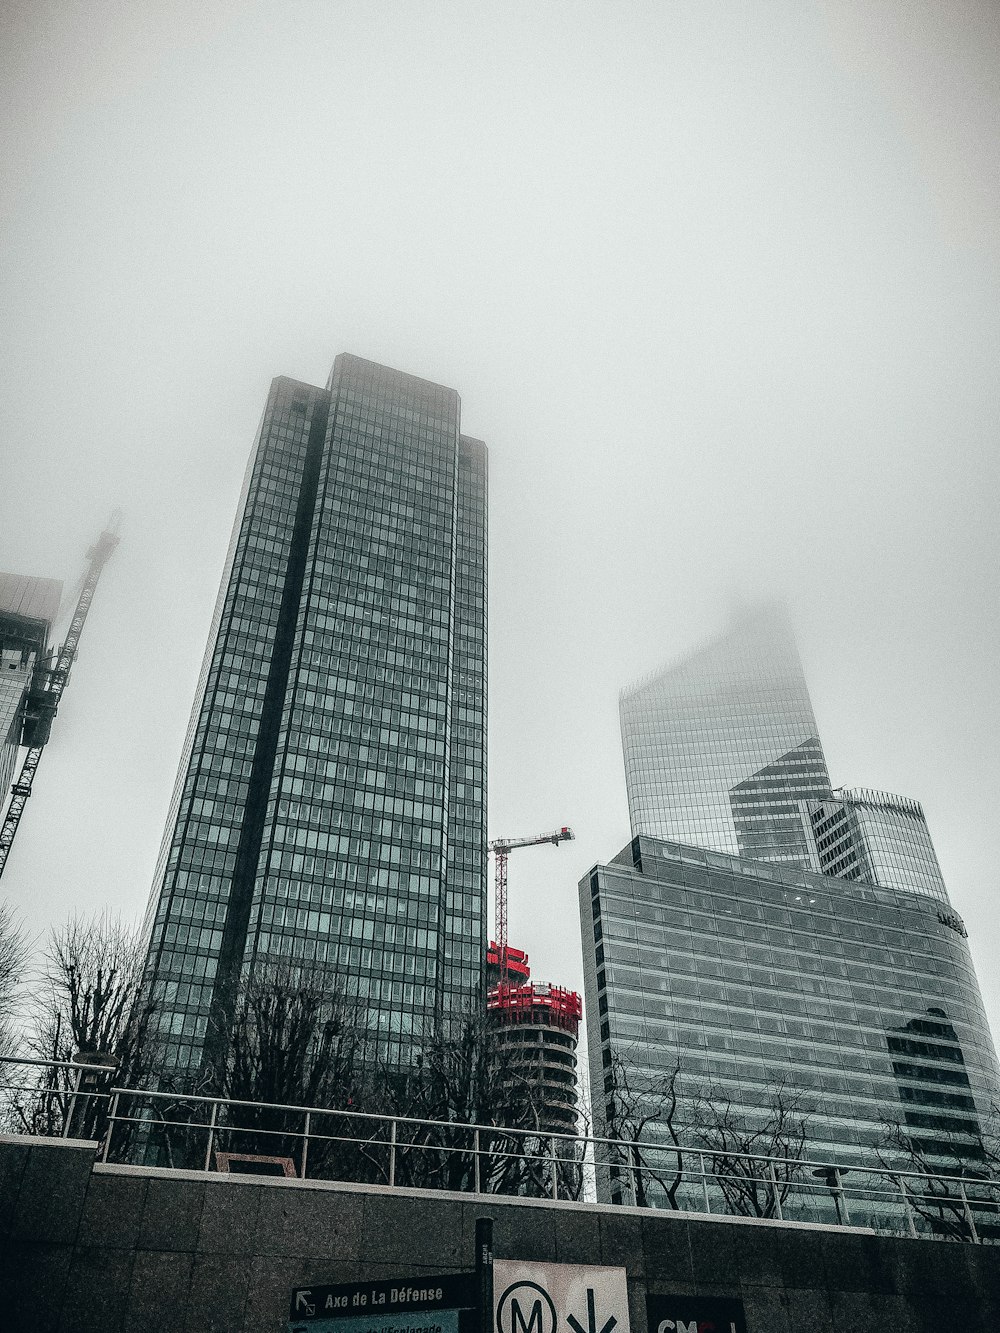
(92, 1249)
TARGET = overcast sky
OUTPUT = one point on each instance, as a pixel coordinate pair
(718, 285)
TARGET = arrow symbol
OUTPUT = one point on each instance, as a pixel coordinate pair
(591, 1318)
(302, 1303)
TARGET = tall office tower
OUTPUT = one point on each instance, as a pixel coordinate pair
(28, 606)
(839, 975)
(859, 1001)
(330, 804)
(875, 836)
(721, 747)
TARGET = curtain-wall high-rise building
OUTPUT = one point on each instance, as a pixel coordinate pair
(330, 804)
(769, 936)
(856, 1004)
(721, 746)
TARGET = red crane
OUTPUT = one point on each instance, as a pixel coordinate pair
(501, 849)
(47, 687)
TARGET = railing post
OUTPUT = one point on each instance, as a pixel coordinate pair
(77, 1076)
(476, 1175)
(211, 1136)
(112, 1116)
(555, 1166)
(840, 1198)
(774, 1191)
(392, 1154)
(305, 1144)
(704, 1182)
(969, 1219)
(911, 1225)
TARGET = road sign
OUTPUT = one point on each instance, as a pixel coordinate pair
(404, 1305)
(559, 1298)
(695, 1314)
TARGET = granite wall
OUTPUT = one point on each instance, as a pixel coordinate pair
(91, 1249)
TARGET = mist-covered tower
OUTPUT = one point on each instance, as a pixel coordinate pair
(330, 804)
(722, 746)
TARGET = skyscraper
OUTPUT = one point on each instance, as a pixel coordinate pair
(330, 803)
(857, 1003)
(722, 746)
(878, 837)
(769, 933)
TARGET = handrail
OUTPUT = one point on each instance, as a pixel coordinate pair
(56, 1064)
(497, 1159)
(595, 1139)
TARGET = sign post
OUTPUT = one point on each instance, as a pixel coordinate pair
(484, 1272)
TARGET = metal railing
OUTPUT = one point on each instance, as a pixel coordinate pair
(201, 1133)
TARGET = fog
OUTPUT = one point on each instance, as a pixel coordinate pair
(718, 285)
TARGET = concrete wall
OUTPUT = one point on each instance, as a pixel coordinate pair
(128, 1250)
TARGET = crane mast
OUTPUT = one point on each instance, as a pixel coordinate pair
(501, 849)
(47, 687)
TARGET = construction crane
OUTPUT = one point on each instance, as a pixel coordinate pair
(46, 689)
(501, 849)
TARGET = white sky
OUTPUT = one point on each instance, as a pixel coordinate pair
(718, 284)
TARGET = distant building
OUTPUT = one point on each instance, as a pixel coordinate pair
(722, 746)
(758, 977)
(28, 607)
(330, 804)
(537, 1026)
(877, 837)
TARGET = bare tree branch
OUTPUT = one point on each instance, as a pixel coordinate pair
(752, 1184)
(643, 1108)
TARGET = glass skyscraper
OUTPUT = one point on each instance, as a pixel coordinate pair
(878, 837)
(330, 803)
(768, 932)
(721, 747)
(860, 1000)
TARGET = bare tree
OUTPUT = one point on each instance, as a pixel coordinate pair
(460, 1078)
(753, 1153)
(951, 1175)
(643, 1110)
(89, 1008)
(13, 955)
(294, 1040)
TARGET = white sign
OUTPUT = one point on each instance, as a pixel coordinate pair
(559, 1298)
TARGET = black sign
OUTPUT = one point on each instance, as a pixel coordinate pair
(694, 1314)
(448, 1291)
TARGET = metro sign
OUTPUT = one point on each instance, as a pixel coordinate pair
(559, 1298)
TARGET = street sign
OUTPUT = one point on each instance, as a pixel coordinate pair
(559, 1298)
(695, 1314)
(404, 1305)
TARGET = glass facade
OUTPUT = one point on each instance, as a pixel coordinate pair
(330, 805)
(878, 837)
(721, 747)
(861, 998)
